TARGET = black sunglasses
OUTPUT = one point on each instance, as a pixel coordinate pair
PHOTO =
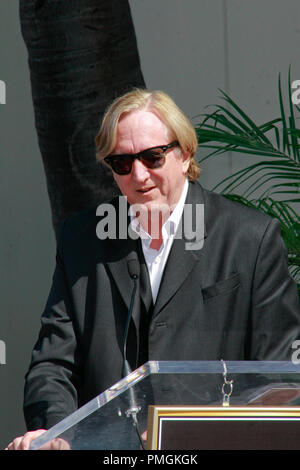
(152, 158)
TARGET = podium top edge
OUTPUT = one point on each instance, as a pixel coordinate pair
(215, 367)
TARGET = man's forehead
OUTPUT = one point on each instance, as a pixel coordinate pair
(141, 122)
(140, 116)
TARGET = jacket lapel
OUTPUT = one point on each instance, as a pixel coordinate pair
(118, 267)
(145, 287)
(182, 257)
(118, 252)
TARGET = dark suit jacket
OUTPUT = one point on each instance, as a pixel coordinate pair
(233, 299)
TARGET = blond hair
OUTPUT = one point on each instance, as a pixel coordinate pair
(164, 107)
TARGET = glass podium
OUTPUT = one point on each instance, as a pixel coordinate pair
(107, 421)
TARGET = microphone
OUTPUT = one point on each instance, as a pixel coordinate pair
(133, 267)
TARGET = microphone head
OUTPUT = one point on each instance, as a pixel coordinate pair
(133, 266)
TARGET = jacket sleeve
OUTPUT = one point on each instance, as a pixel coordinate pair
(53, 378)
(276, 307)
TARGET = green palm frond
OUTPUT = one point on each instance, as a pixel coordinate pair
(270, 184)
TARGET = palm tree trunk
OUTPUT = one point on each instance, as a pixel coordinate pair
(82, 54)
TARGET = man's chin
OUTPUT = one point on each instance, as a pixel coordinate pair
(153, 206)
(157, 211)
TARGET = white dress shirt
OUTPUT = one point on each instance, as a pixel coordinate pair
(156, 259)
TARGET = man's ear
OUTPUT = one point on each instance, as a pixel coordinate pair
(186, 158)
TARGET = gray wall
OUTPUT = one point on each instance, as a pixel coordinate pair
(190, 49)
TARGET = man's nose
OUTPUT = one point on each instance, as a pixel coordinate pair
(139, 171)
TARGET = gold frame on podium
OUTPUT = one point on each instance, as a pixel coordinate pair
(248, 427)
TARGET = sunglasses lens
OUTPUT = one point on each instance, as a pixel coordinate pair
(122, 165)
(153, 158)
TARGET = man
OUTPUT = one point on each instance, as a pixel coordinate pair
(231, 297)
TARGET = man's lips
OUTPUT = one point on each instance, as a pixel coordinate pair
(145, 190)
